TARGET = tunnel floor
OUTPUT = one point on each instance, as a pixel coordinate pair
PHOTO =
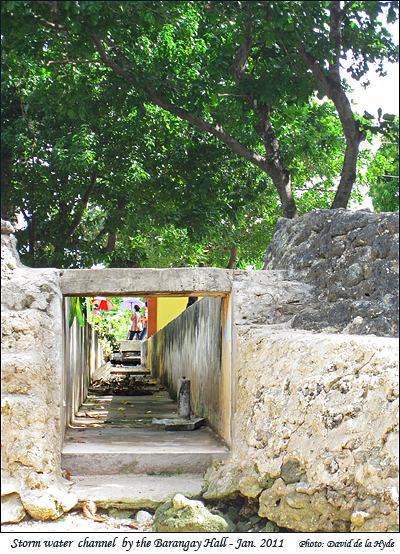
(100, 411)
(113, 434)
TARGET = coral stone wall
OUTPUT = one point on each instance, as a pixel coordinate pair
(31, 352)
(315, 430)
(315, 424)
(351, 258)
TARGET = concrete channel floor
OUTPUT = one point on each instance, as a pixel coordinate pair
(117, 457)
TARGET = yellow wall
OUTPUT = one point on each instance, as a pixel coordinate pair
(168, 308)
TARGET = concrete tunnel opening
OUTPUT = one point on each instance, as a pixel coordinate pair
(116, 406)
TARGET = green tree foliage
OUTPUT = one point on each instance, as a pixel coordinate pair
(111, 326)
(383, 173)
(107, 328)
(77, 310)
(97, 99)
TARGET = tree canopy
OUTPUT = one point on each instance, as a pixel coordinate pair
(383, 172)
(159, 133)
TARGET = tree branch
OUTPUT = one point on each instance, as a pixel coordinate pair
(82, 205)
(316, 69)
(216, 130)
(334, 91)
(239, 65)
(335, 34)
(69, 62)
(275, 168)
(127, 75)
(156, 98)
(112, 238)
(54, 26)
(271, 164)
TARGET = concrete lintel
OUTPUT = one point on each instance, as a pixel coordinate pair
(184, 281)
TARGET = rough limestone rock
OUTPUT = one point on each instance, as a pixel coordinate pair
(9, 256)
(316, 430)
(31, 313)
(49, 503)
(269, 297)
(351, 259)
(184, 516)
(41, 506)
(9, 485)
(12, 510)
(240, 476)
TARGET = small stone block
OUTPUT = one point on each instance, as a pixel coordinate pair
(130, 345)
(180, 424)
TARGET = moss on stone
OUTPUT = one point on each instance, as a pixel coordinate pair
(188, 519)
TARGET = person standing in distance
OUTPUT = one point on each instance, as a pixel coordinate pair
(136, 327)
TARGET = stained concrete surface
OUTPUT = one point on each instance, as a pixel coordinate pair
(192, 346)
(100, 411)
(183, 281)
(126, 492)
(136, 491)
(115, 435)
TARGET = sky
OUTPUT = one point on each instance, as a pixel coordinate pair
(383, 92)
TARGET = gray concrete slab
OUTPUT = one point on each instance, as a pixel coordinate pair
(146, 281)
(135, 491)
(130, 345)
(130, 443)
(122, 450)
(179, 423)
(135, 411)
(112, 439)
(129, 370)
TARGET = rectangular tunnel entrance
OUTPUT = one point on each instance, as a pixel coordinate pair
(119, 432)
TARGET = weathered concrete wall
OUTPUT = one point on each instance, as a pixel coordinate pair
(82, 356)
(191, 346)
(351, 258)
(183, 281)
(315, 430)
(31, 385)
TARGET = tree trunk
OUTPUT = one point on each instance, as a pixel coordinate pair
(112, 238)
(232, 258)
(353, 139)
(81, 206)
(32, 238)
(331, 84)
(274, 166)
(348, 176)
(7, 209)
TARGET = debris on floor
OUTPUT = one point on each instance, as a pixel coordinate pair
(179, 423)
(127, 385)
(89, 510)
